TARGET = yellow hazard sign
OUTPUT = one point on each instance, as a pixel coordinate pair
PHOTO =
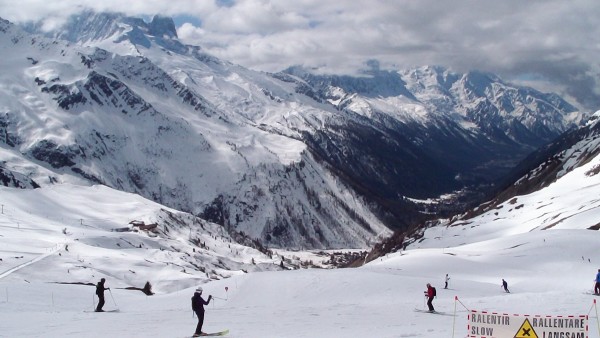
(526, 330)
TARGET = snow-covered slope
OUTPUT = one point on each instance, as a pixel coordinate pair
(549, 270)
(82, 233)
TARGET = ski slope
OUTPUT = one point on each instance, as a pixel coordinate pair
(550, 270)
(377, 300)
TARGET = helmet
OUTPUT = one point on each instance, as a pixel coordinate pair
(198, 290)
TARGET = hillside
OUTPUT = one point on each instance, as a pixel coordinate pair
(85, 232)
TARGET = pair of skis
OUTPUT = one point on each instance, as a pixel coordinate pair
(433, 312)
(214, 334)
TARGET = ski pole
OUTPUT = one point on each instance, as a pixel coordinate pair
(597, 321)
(113, 298)
(454, 316)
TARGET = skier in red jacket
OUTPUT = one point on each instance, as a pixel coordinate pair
(430, 293)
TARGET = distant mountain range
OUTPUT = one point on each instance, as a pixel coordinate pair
(292, 159)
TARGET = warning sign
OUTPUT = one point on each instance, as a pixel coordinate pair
(483, 324)
(526, 330)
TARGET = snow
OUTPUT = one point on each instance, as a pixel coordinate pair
(549, 271)
(67, 233)
(374, 301)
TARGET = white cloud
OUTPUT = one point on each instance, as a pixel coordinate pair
(255, 16)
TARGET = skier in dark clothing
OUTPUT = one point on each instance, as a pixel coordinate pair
(198, 306)
(505, 286)
(430, 293)
(597, 286)
(100, 293)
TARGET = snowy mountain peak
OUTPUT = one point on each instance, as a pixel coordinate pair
(374, 83)
(594, 119)
(162, 26)
(91, 27)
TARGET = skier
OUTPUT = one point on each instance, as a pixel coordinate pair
(505, 286)
(430, 293)
(447, 279)
(100, 293)
(597, 286)
(198, 306)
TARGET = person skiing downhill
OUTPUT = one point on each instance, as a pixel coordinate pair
(430, 293)
(198, 306)
(100, 293)
(447, 279)
(505, 286)
(597, 286)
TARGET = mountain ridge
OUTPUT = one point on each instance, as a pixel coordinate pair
(358, 165)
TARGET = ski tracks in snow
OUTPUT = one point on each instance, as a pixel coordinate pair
(35, 260)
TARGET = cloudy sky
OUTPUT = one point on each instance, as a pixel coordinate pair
(553, 45)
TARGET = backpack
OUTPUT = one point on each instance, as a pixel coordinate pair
(434, 291)
(194, 303)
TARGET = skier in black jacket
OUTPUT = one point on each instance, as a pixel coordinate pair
(505, 286)
(198, 306)
(100, 293)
